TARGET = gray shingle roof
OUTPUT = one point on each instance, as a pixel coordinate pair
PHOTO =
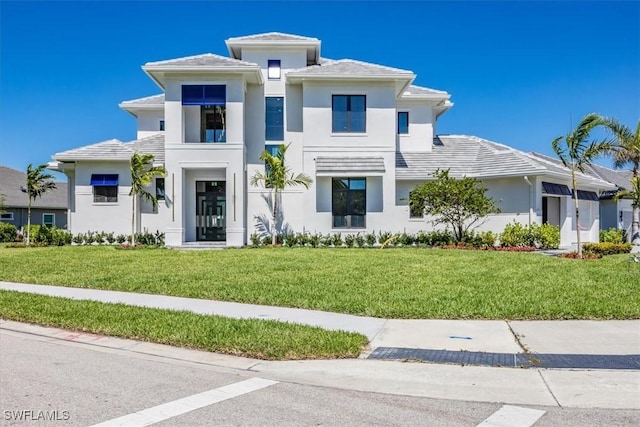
(620, 178)
(203, 60)
(349, 164)
(112, 149)
(12, 180)
(150, 145)
(116, 150)
(273, 36)
(146, 101)
(421, 90)
(476, 157)
(349, 67)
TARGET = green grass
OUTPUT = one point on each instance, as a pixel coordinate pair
(261, 339)
(394, 283)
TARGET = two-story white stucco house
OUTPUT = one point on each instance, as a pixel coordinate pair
(363, 132)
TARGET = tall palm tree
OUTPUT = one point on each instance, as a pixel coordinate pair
(142, 174)
(634, 194)
(628, 154)
(576, 151)
(38, 183)
(277, 176)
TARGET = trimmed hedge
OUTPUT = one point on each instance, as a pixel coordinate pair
(606, 248)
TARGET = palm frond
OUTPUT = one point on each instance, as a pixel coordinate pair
(560, 151)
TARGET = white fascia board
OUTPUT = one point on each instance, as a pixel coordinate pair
(395, 77)
(131, 109)
(151, 69)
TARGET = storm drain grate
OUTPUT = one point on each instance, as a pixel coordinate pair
(567, 361)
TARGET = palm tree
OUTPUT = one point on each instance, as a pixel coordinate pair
(38, 183)
(576, 151)
(628, 153)
(277, 177)
(142, 174)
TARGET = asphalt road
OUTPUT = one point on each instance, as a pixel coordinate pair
(83, 385)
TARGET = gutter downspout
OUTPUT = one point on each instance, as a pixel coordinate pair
(526, 178)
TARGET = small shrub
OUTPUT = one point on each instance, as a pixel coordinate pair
(349, 240)
(606, 248)
(255, 240)
(290, 240)
(326, 240)
(514, 235)
(574, 255)
(8, 232)
(303, 239)
(89, 238)
(314, 240)
(546, 236)
(360, 240)
(78, 239)
(336, 240)
(99, 237)
(406, 239)
(613, 235)
(60, 237)
(383, 237)
(110, 238)
(121, 238)
(441, 238)
(423, 239)
(371, 239)
(266, 240)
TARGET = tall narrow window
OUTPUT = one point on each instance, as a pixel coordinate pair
(213, 123)
(274, 122)
(161, 124)
(403, 122)
(349, 113)
(160, 189)
(273, 69)
(349, 202)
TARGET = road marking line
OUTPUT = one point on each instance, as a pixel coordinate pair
(187, 404)
(512, 416)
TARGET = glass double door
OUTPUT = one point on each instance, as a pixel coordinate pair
(211, 208)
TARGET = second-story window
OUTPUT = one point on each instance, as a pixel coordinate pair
(349, 113)
(161, 124)
(273, 69)
(212, 102)
(403, 122)
(160, 189)
(274, 119)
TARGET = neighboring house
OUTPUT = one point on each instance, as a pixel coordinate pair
(363, 132)
(50, 209)
(613, 213)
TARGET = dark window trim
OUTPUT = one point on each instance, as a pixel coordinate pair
(208, 109)
(7, 216)
(349, 114)
(53, 220)
(162, 125)
(114, 199)
(407, 130)
(279, 68)
(266, 123)
(348, 193)
(160, 195)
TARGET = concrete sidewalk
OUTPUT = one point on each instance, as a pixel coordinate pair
(504, 338)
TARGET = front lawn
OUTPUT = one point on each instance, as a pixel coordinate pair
(393, 283)
(260, 339)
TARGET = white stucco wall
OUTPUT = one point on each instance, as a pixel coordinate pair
(290, 58)
(421, 119)
(149, 122)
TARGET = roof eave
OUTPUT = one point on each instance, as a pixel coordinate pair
(150, 70)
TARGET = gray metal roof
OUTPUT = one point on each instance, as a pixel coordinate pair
(11, 182)
(146, 101)
(273, 36)
(476, 157)
(349, 67)
(349, 165)
(112, 149)
(204, 60)
(421, 90)
(150, 145)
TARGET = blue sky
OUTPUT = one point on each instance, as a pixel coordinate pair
(520, 73)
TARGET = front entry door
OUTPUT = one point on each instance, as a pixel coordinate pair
(211, 207)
